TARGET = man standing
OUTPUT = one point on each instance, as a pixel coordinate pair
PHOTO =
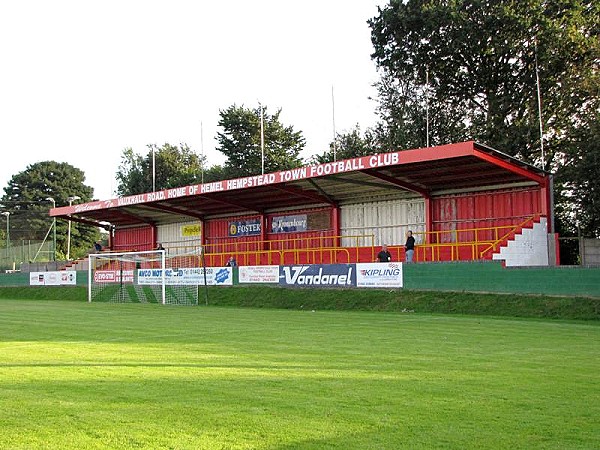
(409, 246)
(384, 255)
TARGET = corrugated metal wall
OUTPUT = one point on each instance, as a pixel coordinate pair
(363, 224)
(133, 239)
(318, 234)
(217, 239)
(388, 221)
(175, 240)
(482, 210)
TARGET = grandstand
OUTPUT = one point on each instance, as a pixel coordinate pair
(463, 202)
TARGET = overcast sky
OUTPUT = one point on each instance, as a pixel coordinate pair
(80, 81)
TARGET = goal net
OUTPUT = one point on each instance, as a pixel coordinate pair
(145, 277)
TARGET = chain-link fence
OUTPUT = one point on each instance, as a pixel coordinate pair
(19, 252)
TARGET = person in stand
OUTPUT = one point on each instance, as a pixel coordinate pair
(98, 247)
(231, 262)
(384, 255)
(160, 247)
(409, 247)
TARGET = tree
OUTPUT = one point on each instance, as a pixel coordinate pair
(476, 63)
(578, 193)
(174, 166)
(26, 199)
(240, 142)
(348, 145)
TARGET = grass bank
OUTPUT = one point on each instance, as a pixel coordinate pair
(508, 305)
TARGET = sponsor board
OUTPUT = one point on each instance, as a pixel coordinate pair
(379, 274)
(222, 276)
(289, 224)
(56, 278)
(318, 275)
(259, 274)
(113, 276)
(191, 230)
(244, 228)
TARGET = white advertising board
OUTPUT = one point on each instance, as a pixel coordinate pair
(379, 275)
(55, 278)
(259, 274)
(221, 276)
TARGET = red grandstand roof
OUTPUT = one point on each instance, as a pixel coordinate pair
(408, 173)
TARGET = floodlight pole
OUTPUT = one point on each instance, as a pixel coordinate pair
(7, 215)
(262, 140)
(333, 119)
(50, 199)
(153, 171)
(70, 200)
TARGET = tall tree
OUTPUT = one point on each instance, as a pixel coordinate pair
(174, 166)
(483, 60)
(241, 143)
(27, 196)
(349, 144)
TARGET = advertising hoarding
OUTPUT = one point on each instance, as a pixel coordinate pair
(383, 275)
(258, 274)
(318, 275)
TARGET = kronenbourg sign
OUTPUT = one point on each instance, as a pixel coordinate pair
(289, 224)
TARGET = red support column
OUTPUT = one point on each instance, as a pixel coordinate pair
(335, 225)
(428, 219)
(546, 204)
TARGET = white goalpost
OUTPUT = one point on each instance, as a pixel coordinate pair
(145, 277)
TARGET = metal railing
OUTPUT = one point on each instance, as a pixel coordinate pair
(453, 245)
(511, 232)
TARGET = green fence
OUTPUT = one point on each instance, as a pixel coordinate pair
(462, 277)
(24, 251)
(492, 277)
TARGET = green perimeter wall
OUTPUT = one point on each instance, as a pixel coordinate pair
(462, 277)
(492, 277)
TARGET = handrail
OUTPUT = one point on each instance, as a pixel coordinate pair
(332, 254)
(432, 246)
(307, 242)
(493, 245)
(243, 258)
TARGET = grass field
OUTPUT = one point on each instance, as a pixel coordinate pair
(95, 376)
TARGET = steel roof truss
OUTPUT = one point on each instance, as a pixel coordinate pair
(306, 194)
(181, 212)
(396, 182)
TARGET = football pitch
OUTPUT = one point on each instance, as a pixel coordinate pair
(132, 376)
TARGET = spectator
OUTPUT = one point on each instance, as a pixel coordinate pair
(160, 247)
(409, 247)
(231, 262)
(384, 255)
(98, 247)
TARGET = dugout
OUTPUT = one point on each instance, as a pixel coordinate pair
(463, 201)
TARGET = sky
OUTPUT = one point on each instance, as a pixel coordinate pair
(81, 81)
